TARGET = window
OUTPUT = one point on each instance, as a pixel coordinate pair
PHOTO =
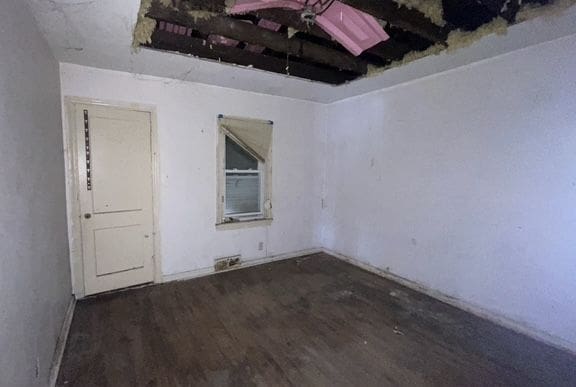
(244, 151)
(243, 182)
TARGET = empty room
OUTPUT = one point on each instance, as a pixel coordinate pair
(287, 193)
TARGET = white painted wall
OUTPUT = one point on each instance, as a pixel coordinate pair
(187, 130)
(461, 181)
(465, 182)
(34, 272)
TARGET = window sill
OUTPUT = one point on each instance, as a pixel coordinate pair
(244, 224)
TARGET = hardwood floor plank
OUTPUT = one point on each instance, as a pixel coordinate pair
(308, 321)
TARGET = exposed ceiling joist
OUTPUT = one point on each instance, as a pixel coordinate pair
(164, 40)
(386, 10)
(249, 33)
(216, 6)
(401, 16)
(270, 38)
(291, 18)
(388, 50)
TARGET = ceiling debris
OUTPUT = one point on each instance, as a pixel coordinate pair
(432, 9)
(289, 41)
(460, 39)
(145, 25)
(533, 10)
(292, 31)
(353, 29)
(143, 31)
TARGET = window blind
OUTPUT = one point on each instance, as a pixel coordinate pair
(255, 135)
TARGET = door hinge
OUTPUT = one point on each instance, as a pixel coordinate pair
(87, 148)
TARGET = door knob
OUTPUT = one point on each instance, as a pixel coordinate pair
(87, 216)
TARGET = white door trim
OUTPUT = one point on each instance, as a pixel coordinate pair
(72, 192)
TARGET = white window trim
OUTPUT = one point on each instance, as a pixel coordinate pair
(265, 170)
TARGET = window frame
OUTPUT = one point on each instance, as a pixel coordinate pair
(264, 216)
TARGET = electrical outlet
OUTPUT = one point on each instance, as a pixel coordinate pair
(260, 246)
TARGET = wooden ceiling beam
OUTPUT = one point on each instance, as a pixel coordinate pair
(390, 50)
(387, 10)
(250, 33)
(401, 16)
(216, 6)
(291, 18)
(387, 51)
(164, 40)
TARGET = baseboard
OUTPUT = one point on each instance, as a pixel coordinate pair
(247, 263)
(61, 342)
(476, 310)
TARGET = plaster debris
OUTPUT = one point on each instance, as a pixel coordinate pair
(432, 9)
(459, 39)
(292, 32)
(456, 39)
(531, 10)
(343, 294)
(202, 15)
(143, 31)
(144, 25)
(410, 57)
(229, 4)
(398, 331)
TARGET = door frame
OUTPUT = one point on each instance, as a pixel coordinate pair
(72, 187)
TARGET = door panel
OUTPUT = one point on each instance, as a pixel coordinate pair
(119, 152)
(115, 192)
(119, 249)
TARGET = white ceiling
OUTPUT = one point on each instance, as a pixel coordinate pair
(98, 33)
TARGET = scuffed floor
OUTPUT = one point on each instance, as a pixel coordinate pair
(308, 321)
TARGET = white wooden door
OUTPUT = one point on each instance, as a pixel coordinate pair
(115, 192)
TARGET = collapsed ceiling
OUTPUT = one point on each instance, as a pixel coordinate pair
(297, 38)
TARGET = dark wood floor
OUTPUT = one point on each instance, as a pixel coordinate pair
(310, 321)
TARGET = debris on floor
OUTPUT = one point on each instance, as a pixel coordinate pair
(398, 331)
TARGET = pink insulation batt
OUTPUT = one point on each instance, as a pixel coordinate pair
(354, 29)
